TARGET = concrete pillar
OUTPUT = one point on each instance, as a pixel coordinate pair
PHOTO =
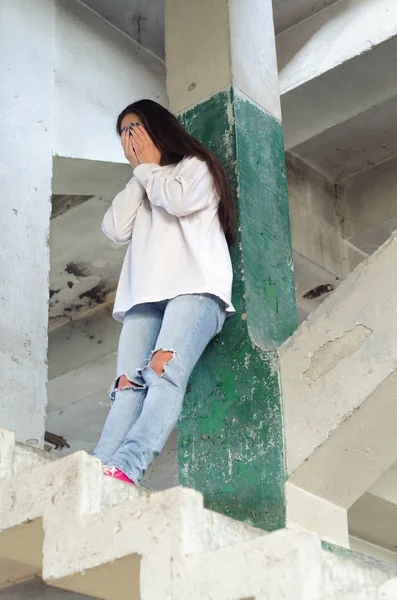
(222, 80)
(27, 82)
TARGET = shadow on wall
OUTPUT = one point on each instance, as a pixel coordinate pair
(36, 589)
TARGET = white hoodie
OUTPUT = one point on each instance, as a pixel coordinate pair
(169, 217)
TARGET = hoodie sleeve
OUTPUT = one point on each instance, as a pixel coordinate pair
(119, 219)
(188, 192)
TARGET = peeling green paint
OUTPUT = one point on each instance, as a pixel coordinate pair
(230, 433)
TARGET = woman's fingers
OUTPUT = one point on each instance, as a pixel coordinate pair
(137, 135)
(128, 147)
(144, 136)
(126, 143)
(143, 149)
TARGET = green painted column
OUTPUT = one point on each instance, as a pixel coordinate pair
(231, 432)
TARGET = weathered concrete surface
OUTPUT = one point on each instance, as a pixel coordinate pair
(346, 29)
(200, 66)
(230, 434)
(335, 66)
(388, 590)
(366, 548)
(160, 545)
(98, 72)
(144, 22)
(315, 223)
(355, 145)
(339, 382)
(368, 224)
(287, 13)
(78, 176)
(27, 88)
(141, 21)
(75, 344)
(85, 267)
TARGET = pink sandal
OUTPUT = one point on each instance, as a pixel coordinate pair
(116, 474)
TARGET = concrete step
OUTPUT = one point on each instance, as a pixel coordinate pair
(353, 576)
(98, 536)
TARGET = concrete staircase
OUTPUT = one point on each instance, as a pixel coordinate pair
(83, 532)
(339, 381)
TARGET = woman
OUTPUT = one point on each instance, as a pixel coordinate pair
(177, 217)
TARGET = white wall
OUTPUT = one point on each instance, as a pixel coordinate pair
(315, 225)
(99, 71)
(368, 206)
(26, 98)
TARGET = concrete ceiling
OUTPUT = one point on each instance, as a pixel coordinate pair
(141, 20)
(288, 13)
(355, 145)
(84, 264)
(144, 21)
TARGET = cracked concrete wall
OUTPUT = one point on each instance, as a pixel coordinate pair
(328, 356)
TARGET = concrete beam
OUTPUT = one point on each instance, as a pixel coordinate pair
(311, 512)
(355, 73)
(375, 520)
(287, 14)
(339, 381)
(169, 533)
(79, 177)
(386, 486)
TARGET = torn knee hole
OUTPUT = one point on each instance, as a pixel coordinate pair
(124, 382)
(159, 360)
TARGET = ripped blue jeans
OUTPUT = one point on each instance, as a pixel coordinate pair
(142, 418)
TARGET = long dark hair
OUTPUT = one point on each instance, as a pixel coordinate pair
(175, 143)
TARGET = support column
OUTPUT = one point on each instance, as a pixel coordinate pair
(222, 79)
(27, 81)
